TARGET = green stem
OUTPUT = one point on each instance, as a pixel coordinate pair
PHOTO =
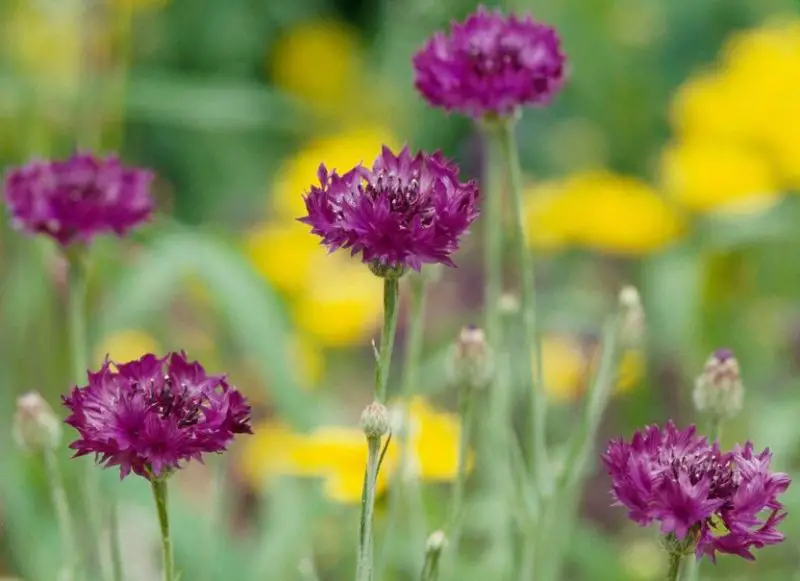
(78, 347)
(159, 486)
(113, 541)
(505, 135)
(411, 365)
(365, 546)
(391, 294)
(430, 569)
(493, 233)
(456, 520)
(65, 523)
(674, 566)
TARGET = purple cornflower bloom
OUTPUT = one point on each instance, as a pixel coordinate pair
(76, 199)
(403, 212)
(490, 64)
(153, 414)
(723, 502)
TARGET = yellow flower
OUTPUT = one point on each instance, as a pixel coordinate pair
(602, 211)
(285, 254)
(125, 346)
(643, 560)
(45, 42)
(342, 306)
(706, 176)
(564, 367)
(433, 438)
(338, 455)
(319, 62)
(341, 151)
(569, 367)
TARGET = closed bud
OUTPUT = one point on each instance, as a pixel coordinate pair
(436, 542)
(36, 427)
(471, 364)
(375, 420)
(381, 270)
(718, 391)
(632, 328)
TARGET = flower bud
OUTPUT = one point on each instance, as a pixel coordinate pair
(436, 543)
(375, 420)
(719, 391)
(509, 304)
(471, 364)
(633, 319)
(36, 427)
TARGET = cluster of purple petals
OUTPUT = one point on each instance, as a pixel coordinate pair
(76, 199)
(404, 211)
(490, 64)
(151, 415)
(727, 501)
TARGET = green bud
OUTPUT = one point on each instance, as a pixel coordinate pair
(36, 427)
(471, 364)
(719, 391)
(375, 420)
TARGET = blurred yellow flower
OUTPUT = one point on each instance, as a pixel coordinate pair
(569, 367)
(643, 560)
(125, 346)
(44, 41)
(433, 437)
(600, 210)
(285, 254)
(343, 307)
(318, 61)
(338, 454)
(705, 175)
(341, 151)
(748, 105)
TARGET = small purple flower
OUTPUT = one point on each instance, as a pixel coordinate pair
(490, 64)
(76, 199)
(153, 414)
(403, 212)
(725, 502)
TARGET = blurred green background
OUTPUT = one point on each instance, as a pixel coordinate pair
(669, 162)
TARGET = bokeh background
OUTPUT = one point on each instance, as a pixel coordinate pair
(669, 161)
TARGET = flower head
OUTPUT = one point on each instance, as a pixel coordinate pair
(490, 64)
(721, 502)
(718, 390)
(152, 414)
(76, 199)
(403, 212)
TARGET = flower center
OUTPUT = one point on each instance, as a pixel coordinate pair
(167, 401)
(486, 63)
(404, 195)
(705, 464)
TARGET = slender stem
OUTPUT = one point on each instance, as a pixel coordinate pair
(674, 566)
(78, 347)
(63, 513)
(493, 233)
(113, 541)
(365, 548)
(159, 486)
(411, 364)
(533, 345)
(466, 411)
(430, 569)
(391, 294)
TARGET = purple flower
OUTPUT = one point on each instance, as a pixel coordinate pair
(490, 64)
(725, 502)
(153, 414)
(403, 212)
(76, 199)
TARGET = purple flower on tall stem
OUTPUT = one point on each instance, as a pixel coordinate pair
(151, 415)
(715, 501)
(402, 212)
(76, 199)
(490, 64)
